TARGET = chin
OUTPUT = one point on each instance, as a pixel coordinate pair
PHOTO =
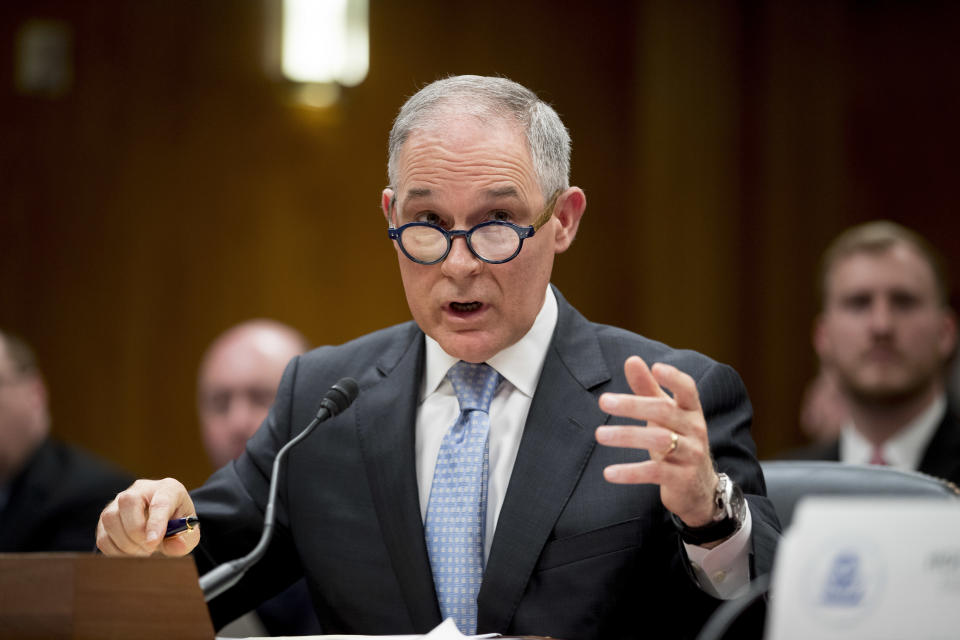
(469, 350)
(471, 355)
(889, 393)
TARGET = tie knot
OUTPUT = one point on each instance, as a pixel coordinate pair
(474, 385)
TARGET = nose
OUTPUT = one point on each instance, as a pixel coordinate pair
(242, 417)
(881, 317)
(460, 261)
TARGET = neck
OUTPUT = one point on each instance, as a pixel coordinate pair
(878, 421)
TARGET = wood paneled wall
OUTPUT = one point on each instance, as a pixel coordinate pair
(176, 190)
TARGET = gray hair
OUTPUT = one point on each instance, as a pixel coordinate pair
(486, 97)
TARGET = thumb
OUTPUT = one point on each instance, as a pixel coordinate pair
(159, 512)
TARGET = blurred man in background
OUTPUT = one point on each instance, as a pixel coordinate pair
(888, 333)
(50, 493)
(236, 385)
(237, 381)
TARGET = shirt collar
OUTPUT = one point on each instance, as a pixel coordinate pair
(905, 449)
(520, 363)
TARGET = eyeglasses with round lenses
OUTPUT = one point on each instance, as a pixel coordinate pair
(494, 242)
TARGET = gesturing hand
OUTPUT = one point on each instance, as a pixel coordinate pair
(675, 436)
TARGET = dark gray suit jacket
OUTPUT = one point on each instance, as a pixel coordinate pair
(572, 557)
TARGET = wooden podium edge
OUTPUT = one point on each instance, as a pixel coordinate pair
(78, 596)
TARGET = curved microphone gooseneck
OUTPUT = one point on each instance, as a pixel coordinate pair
(224, 576)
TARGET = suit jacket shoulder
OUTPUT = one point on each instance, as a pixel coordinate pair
(942, 456)
(55, 502)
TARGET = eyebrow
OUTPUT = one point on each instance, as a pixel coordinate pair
(494, 193)
(503, 192)
(419, 193)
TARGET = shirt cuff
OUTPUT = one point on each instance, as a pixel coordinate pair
(724, 571)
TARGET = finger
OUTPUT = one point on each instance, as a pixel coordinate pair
(130, 533)
(169, 500)
(640, 379)
(663, 412)
(112, 534)
(682, 386)
(648, 472)
(655, 439)
(104, 543)
(109, 548)
(181, 544)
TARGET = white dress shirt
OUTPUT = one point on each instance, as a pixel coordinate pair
(905, 449)
(722, 570)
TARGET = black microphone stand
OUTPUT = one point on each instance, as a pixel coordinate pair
(224, 576)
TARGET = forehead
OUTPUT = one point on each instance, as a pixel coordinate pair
(896, 267)
(466, 154)
(247, 360)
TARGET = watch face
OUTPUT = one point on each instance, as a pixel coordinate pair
(723, 497)
(738, 504)
(729, 499)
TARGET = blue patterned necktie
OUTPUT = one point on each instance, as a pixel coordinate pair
(457, 510)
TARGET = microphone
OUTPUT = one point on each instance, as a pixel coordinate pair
(224, 576)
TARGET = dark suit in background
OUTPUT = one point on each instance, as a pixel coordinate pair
(573, 556)
(54, 502)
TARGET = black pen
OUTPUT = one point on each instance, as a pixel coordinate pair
(179, 525)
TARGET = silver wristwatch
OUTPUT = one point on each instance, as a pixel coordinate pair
(731, 511)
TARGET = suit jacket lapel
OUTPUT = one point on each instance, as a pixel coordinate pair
(557, 441)
(386, 418)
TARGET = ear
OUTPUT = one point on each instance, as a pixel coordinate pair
(386, 199)
(568, 211)
(36, 393)
(821, 342)
(948, 333)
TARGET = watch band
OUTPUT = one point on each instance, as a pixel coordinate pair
(708, 532)
(727, 521)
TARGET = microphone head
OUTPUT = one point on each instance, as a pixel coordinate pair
(340, 396)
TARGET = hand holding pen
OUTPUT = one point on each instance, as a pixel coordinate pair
(137, 522)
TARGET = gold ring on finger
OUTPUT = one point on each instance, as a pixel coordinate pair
(674, 444)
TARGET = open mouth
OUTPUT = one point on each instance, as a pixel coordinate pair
(465, 307)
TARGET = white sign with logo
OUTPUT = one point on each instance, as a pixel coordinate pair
(875, 569)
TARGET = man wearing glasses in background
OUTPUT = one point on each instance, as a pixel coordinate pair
(50, 491)
(492, 469)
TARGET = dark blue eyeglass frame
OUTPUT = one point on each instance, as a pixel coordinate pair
(522, 233)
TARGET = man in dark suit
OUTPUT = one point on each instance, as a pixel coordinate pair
(887, 332)
(51, 494)
(635, 537)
